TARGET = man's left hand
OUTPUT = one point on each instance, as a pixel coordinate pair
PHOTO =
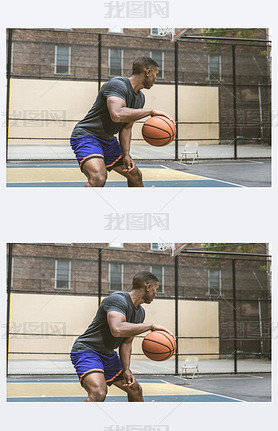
(128, 163)
(128, 377)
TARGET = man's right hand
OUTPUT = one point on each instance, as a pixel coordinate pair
(161, 328)
(162, 114)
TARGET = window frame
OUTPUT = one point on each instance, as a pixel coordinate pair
(109, 276)
(116, 245)
(162, 285)
(209, 67)
(210, 293)
(69, 275)
(109, 61)
(162, 62)
(56, 57)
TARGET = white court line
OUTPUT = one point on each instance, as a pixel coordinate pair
(225, 396)
(206, 178)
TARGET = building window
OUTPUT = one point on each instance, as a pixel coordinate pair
(155, 246)
(158, 271)
(116, 29)
(62, 59)
(158, 56)
(116, 271)
(155, 32)
(115, 62)
(62, 274)
(116, 245)
(214, 282)
(214, 67)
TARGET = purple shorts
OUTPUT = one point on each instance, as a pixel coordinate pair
(90, 147)
(89, 361)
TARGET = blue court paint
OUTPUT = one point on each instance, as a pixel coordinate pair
(70, 166)
(174, 183)
(202, 398)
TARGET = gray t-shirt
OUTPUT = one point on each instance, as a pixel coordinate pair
(98, 121)
(98, 336)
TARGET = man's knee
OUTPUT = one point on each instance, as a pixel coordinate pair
(97, 179)
(137, 393)
(136, 175)
(96, 395)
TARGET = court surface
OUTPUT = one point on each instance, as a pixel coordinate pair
(228, 388)
(69, 175)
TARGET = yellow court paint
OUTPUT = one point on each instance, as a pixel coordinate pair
(38, 389)
(35, 175)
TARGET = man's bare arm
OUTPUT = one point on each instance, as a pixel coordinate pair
(119, 327)
(119, 113)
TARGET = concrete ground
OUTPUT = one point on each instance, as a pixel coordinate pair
(247, 173)
(252, 169)
(139, 151)
(139, 366)
(255, 387)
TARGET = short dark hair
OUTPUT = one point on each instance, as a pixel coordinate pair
(142, 63)
(143, 277)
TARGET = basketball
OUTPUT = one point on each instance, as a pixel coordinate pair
(158, 131)
(159, 345)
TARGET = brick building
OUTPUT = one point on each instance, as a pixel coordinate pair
(96, 55)
(47, 273)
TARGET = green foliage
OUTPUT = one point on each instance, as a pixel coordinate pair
(237, 248)
(225, 32)
(230, 32)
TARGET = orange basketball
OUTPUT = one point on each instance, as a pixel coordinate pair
(159, 345)
(158, 131)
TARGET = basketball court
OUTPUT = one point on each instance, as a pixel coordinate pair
(227, 388)
(232, 151)
(69, 175)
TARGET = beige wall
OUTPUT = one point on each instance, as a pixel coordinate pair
(70, 100)
(47, 314)
(43, 314)
(199, 319)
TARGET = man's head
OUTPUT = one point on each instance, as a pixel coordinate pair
(147, 283)
(147, 69)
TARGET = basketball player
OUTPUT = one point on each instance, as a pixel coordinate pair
(118, 105)
(119, 318)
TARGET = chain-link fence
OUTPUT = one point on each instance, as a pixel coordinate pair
(217, 304)
(218, 91)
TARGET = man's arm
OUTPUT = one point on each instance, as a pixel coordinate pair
(119, 327)
(125, 138)
(119, 113)
(125, 355)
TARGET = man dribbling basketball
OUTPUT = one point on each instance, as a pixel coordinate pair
(118, 105)
(119, 318)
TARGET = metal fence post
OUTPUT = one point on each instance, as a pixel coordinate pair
(99, 275)
(9, 69)
(9, 287)
(177, 313)
(234, 314)
(234, 100)
(176, 99)
(99, 59)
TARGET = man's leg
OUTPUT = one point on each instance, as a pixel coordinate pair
(134, 392)
(96, 387)
(95, 171)
(134, 177)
